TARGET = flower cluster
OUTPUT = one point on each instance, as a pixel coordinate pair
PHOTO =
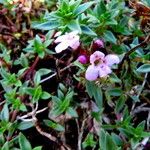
(100, 65)
(68, 40)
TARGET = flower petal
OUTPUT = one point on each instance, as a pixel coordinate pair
(73, 33)
(62, 46)
(104, 70)
(61, 38)
(97, 55)
(91, 73)
(111, 60)
(57, 34)
(74, 45)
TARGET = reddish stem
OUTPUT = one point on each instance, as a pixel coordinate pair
(31, 68)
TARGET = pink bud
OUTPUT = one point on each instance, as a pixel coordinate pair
(99, 43)
(82, 59)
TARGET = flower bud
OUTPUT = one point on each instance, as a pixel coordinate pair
(82, 59)
(99, 43)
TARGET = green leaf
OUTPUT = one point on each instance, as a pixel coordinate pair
(60, 94)
(120, 103)
(54, 125)
(37, 78)
(83, 7)
(49, 25)
(102, 140)
(115, 92)
(38, 148)
(106, 142)
(45, 95)
(113, 78)
(44, 71)
(74, 25)
(96, 92)
(109, 36)
(78, 64)
(24, 61)
(60, 106)
(116, 139)
(25, 125)
(62, 87)
(72, 112)
(87, 30)
(100, 8)
(37, 94)
(89, 141)
(89, 88)
(24, 143)
(98, 96)
(110, 143)
(144, 68)
(5, 146)
(5, 113)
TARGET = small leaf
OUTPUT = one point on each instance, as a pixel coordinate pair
(83, 7)
(116, 139)
(98, 96)
(109, 36)
(72, 112)
(144, 68)
(37, 94)
(24, 143)
(120, 103)
(54, 125)
(89, 141)
(110, 143)
(102, 140)
(49, 25)
(5, 113)
(37, 78)
(74, 25)
(100, 8)
(44, 71)
(38, 148)
(45, 95)
(113, 78)
(89, 88)
(87, 30)
(25, 125)
(5, 146)
(115, 92)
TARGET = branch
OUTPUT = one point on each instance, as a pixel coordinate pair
(30, 114)
(134, 49)
(31, 68)
(53, 75)
(80, 133)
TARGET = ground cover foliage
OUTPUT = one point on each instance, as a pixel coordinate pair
(74, 75)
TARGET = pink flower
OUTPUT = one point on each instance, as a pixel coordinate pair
(100, 65)
(96, 56)
(82, 59)
(68, 40)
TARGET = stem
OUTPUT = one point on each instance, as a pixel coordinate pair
(49, 136)
(31, 68)
(14, 114)
(53, 75)
(143, 84)
(80, 132)
(31, 113)
(133, 50)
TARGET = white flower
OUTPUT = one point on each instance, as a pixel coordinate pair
(68, 40)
